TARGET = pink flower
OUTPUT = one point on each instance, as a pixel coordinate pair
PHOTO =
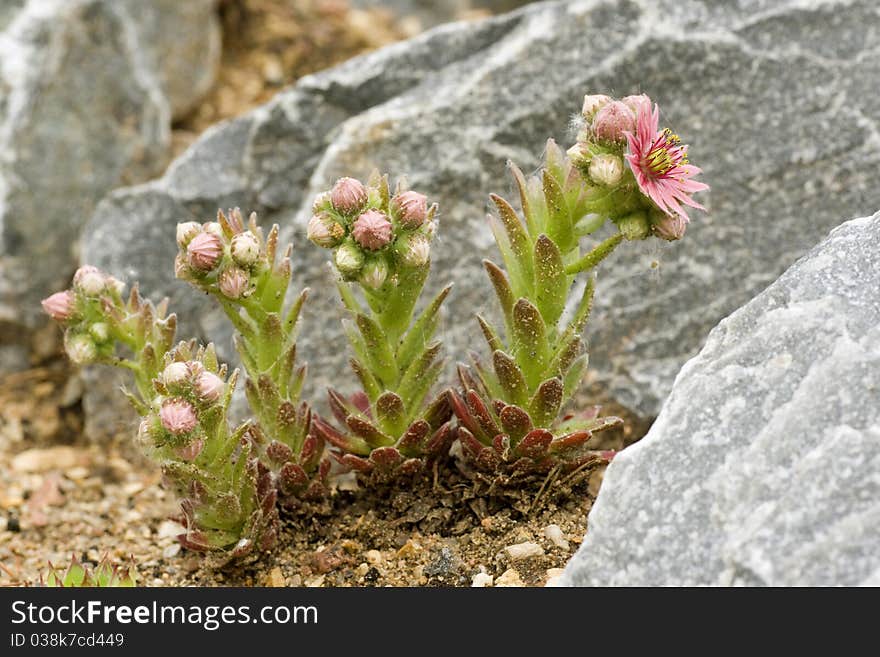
(372, 230)
(410, 208)
(659, 161)
(59, 306)
(204, 251)
(178, 416)
(348, 195)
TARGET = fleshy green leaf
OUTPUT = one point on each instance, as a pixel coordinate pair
(551, 283)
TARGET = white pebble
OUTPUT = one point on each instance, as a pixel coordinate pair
(481, 580)
(171, 551)
(509, 578)
(524, 551)
(554, 535)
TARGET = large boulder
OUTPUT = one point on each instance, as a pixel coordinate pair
(772, 100)
(88, 89)
(763, 467)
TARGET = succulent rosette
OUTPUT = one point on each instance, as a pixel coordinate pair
(233, 261)
(381, 245)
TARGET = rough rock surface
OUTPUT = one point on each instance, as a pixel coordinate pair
(763, 467)
(771, 97)
(87, 92)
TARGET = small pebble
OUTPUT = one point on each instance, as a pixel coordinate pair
(482, 580)
(275, 578)
(171, 551)
(316, 582)
(554, 575)
(51, 458)
(374, 557)
(554, 535)
(170, 529)
(524, 551)
(509, 578)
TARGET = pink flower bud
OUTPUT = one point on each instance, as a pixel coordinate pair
(348, 195)
(670, 227)
(637, 103)
(245, 249)
(324, 231)
(204, 251)
(410, 208)
(593, 103)
(349, 260)
(178, 416)
(374, 273)
(606, 169)
(175, 374)
(613, 120)
(372, 230)
(191, 452)
(233, 282)
(186, 231)
(81, 349)
(209, 386)
(89, 280)
(59, 306)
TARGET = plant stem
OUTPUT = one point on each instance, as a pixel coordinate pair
(597, 255)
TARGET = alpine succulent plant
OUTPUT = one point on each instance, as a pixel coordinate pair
(182, 397)
(510, 411)
(240, 268)
(381, 244)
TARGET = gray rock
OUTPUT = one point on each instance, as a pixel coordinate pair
(763, 467)
(429, 13)
(87, 92)
(771, 98)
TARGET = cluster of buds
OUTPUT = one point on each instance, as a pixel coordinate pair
(222, 256)
(97, 320)
(644, 170)
(375, 236)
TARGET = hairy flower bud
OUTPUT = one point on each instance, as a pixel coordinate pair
(204, 251)
(209, 386)
(606, 169)
(634, 226)
(593, 103)
(637, 102)
(349, 260)
(233, 282)
(214, 228)
(670, 227)
(175, 374)
(372, 230)
(414, 250)
(613, 120)
(178, 416)
(410, 209)
(348, 195)
(580, 154)
(325, 231)
(321, 203)
(245, 249)
(100, 332)
(81, 349)
(374, 273)
(59, 306)
(191, 452)
(89, 280)
(186, 231)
